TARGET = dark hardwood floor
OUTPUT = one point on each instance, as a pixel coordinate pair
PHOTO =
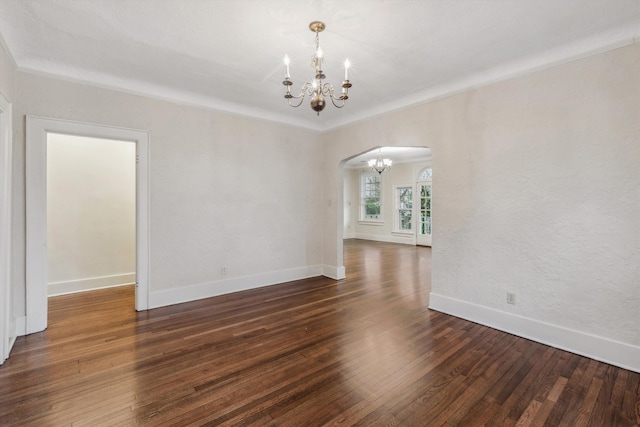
(362, 351)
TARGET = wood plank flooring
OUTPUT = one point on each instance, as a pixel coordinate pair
(362, 351)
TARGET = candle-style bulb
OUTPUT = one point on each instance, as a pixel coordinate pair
(286, 62)
(347, 64)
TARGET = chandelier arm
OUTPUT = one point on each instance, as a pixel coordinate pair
(304, 91)
(327, 89)
(301, 98)
(334, 102)
(307, 89)
(330, 91)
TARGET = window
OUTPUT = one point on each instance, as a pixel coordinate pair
(425, 174)
(404, 207)
(424, 193)
(425, 209)
(370, 197)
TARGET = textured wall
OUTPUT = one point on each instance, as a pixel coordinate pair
(538, 192)
(224, 190)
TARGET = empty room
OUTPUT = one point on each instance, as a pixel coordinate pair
(320, 212)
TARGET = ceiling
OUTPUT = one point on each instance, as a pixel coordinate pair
(227, 54)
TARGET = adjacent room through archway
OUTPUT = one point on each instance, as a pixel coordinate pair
(387, 205)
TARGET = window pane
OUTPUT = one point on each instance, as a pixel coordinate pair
(405, 198)
(370, 196)
(426, 174)
(405, 219)
(372, 207)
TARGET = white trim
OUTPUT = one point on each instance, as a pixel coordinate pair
(36, 203)
(21, 326)
(4, 45)
(371, 222)
(178, 96)
(143, 221)
(230, 285)
(7, 325)
(571, 52)
(523, 67)
(616, 353)
(406, 239)
(403, 233)
(335, 273)
(90, 283)
(362, 217)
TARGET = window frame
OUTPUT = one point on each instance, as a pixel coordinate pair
(363, 217)
(397, 209)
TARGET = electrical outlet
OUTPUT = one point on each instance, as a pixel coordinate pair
(223, 271)
(511, 298)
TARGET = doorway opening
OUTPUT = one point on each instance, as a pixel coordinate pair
(91, 206)
(39, 131)
(398, 213)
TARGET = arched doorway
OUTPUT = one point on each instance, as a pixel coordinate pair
(400, 179)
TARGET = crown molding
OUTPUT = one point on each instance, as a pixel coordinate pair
(561, 55)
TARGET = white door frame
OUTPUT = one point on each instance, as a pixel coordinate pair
(36, 193)
(418, 210)
(7, 321)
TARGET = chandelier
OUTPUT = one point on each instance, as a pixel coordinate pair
(316, 89)
(380, 165)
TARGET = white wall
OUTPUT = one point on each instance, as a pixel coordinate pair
(225, 191)
(538, 194)
(91, 206)
(7, 74)
(8, 327)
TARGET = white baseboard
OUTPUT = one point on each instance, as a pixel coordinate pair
(349, 235)
(616, 353)
(394, 238)
(230, 285)
(90, 284)
(21, 326)
(335, 273)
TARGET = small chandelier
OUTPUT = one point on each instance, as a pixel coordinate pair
(316, 89)
(380, 165)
